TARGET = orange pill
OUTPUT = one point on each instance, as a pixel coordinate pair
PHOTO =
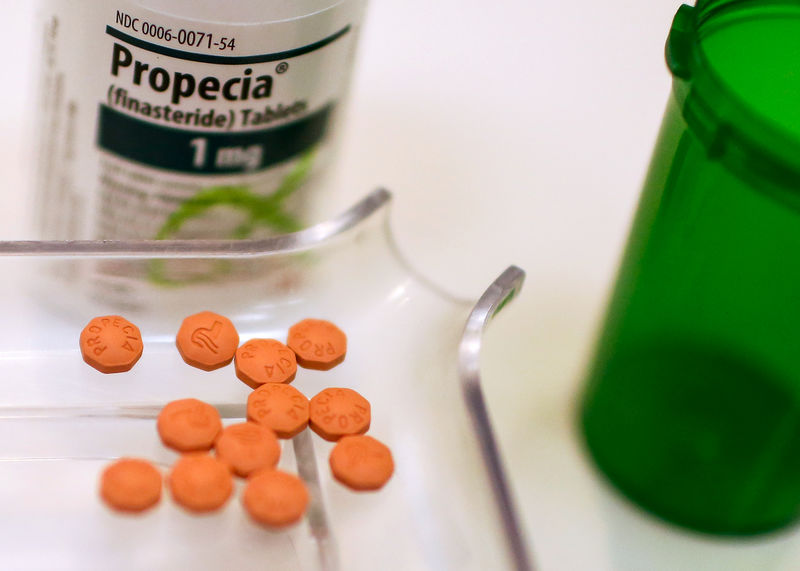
(207, 340)
(188, 425)
(247, 447)
(282, 408)
(131, 485)
(337, 412)
(275, 498)
(262, 361)
(361, 462)
(200, 482)
(111, 344)
(318, 344)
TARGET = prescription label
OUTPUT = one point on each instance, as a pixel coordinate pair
(155, 126)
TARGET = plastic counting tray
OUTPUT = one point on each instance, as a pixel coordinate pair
(412, 351)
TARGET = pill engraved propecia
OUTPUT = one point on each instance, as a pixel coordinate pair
(337, 412)
(318, 344)
(207, 340)
(111, 344)
(261, 361)
(281, 408)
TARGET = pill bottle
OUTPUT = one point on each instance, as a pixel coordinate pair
(185, 119)
(178, 119)
(692, 404)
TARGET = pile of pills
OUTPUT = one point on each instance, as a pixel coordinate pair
(202, 482)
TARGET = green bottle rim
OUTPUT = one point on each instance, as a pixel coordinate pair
(728, 125)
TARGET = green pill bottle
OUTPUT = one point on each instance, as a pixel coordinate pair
(692, 403)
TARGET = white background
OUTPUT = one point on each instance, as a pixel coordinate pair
(509, 132)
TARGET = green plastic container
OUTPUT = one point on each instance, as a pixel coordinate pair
(692, 406)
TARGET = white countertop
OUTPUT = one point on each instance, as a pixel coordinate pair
(509, 132)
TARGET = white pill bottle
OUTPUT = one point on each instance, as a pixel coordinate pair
(187, 118)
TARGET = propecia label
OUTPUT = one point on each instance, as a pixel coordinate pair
(149, 121)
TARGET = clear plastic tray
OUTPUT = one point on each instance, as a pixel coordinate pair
(412, 351)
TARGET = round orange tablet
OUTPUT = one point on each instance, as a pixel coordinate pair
(247, 447)
(131, 485)
(361, 462)
(200, 482)
(207, 340)
(111, 344)
(281, 408)
(318, 344)
(188, 425)
(275, 498)
(337, 412)
(262, 361)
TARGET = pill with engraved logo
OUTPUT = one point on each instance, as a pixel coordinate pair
(207, 340)
(261, 361)
(281, 408)
(337, 412)
(361, 463)
(111, 344)
(247, 447)
(318, 344)
(188, 424)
